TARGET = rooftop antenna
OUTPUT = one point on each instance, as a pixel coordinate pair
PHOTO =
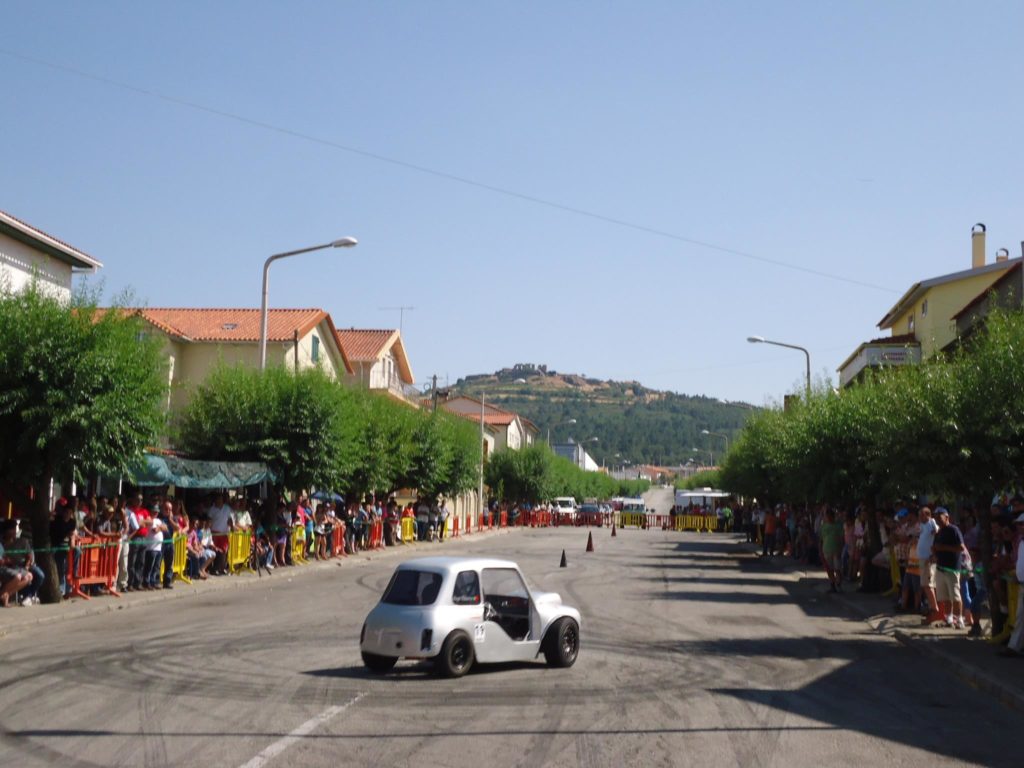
(401, 313)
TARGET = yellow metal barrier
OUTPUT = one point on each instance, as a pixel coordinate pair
(635, 519)
(701, 523)
(408, 529)
(239, 550)
(180, 564)
(1012, 598)
(299, 545)
(894, 573)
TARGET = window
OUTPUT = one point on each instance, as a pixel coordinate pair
(467, 589)
(910, 323)
(504, 582)
(316, 348)
(924, 308)
(409, 587)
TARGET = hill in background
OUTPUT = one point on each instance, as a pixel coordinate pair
(640, 424)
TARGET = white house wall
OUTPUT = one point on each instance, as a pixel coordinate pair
(19, 263)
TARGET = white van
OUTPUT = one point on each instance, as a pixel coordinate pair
(564, 504)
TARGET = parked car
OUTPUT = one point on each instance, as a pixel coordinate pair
(457, 611)
(564, 504)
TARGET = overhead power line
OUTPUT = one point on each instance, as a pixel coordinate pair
(439, 173)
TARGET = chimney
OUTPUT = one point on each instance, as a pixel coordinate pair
(978, 245)
(1002, 255)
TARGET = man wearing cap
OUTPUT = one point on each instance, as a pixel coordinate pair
(1016, 645)
(927, 565)
(948, 547)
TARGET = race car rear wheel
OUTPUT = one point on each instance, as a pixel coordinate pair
(379, 664)
(456, 656)
(562, 643)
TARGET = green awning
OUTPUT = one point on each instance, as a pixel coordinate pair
(193, 473)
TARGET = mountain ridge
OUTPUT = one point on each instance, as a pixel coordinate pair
(630, 421)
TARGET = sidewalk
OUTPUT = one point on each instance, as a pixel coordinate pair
(15, 619)
(975, 661)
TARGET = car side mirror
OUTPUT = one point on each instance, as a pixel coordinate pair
(489, 612)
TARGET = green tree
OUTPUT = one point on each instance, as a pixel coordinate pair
(302, 425)
(81, 391)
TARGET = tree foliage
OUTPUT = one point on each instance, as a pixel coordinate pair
(81, 391)
(313, 432)
(535, 475)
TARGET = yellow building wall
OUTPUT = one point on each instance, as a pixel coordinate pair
(189, 363)
(936, 329)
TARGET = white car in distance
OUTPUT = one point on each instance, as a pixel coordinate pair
(457, 611)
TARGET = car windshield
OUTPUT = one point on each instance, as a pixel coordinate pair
(410, 587)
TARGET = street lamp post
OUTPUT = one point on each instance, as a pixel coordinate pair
(483, 443)
(763, 340)
(345, 242)
(717, 434)
(556, 426)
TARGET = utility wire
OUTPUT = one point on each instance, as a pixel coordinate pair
(440, 174)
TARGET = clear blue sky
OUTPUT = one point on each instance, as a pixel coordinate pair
(857, 139)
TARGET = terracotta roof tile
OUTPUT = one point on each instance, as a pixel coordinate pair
(365, 345)
(241, 325)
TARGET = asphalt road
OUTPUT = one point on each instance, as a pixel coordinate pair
(693, 653)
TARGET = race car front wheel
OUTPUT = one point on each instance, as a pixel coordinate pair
(562, 643)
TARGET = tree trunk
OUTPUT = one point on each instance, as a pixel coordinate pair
(40, 518)
(871, 576)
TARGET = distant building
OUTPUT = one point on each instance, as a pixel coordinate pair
(27, 253)
(507, 429)
(379, 360)
(575, 453)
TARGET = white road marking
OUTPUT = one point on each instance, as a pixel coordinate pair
(307, 727)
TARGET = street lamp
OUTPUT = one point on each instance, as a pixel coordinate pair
(345, 242)
(556, 426)
(717, 434)
(763, 340)
(483, 443)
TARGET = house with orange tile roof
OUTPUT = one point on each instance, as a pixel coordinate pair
(379, 361)
(27, 252)
(925, 319)
(199, 339)
(503, 429)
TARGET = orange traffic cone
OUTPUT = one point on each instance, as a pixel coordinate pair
(564, 563)
(614, 534)
(590, 542)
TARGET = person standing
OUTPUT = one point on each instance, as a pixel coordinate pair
(831, 538)
(948, 547)
(1016, 645)
(926, 564)
(443, 516)
(170, 527)
(422, 519)
(770, 524)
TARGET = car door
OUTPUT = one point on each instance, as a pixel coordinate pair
(509, 629)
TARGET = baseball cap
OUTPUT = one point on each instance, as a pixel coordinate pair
(941, 511)
(902, 513)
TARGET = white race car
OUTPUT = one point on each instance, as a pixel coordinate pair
(457, 610)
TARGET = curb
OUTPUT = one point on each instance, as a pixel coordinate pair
(974, 677)
(83, 608)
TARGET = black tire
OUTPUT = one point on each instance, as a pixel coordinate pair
(379, 665)
(456, 656)
(562, 643)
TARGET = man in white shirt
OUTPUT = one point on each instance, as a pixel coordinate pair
(927, 564)
(241, 517)
(221, 523)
